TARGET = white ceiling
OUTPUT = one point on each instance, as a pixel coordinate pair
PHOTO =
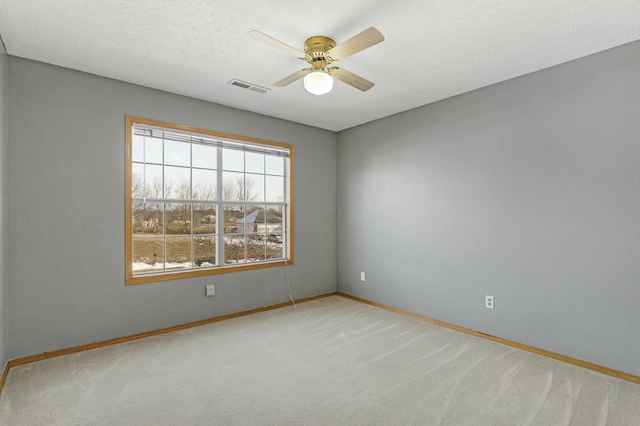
(433, 49)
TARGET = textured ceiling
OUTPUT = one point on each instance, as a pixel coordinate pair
(433, 50)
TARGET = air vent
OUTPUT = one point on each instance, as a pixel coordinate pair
(249, 86)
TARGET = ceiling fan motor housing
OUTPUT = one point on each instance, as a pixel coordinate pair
(315, 48)
(318, 44)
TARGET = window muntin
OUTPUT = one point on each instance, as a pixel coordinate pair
(202, 202)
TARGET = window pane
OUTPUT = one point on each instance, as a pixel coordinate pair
(275, 236)
(177, 219)
(147, 218)
(204, 184)
(148, 253)
(250, 221)
(233, 160)
(177, 183)
(234, 248)
(233, 186)
(274, 219)
(231, 215)
(153, 150)
(275, 188)
(177, 153)
(256, 248)
(261, 222)
(204, 250)
(254, 162)
(152, 181)
(204, 156)
(137, 148)
(204, 219)
(178, 253)
(275, 247)
(274, 165)
(260, 218)
(254, 188)
(256, 233)
(137, 180)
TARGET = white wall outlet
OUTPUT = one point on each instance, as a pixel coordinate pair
(362, 276)
(210, 289)
(488, 302)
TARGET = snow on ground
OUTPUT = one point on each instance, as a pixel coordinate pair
(145, 267)
(141, 266)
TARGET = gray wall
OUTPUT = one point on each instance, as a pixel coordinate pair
(4, 105)
(528, 190)
(66, 212)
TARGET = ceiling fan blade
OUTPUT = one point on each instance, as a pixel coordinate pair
(293, 77)
(351, 79)
(355, 44)
(276, 43)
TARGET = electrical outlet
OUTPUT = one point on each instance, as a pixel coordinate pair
(488, 302)
(210, 290)
(362, 276)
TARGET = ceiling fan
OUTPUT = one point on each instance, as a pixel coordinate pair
(320, 52)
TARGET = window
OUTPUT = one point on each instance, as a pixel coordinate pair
(201, 202)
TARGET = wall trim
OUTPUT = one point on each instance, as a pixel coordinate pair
(81, 348)
(580, 363)
(5, 371)
(117, 340)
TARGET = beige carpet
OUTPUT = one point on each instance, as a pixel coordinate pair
(331, 361)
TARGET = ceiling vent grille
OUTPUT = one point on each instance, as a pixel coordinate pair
(248, 86)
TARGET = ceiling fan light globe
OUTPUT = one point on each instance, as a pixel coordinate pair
(318, 83)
